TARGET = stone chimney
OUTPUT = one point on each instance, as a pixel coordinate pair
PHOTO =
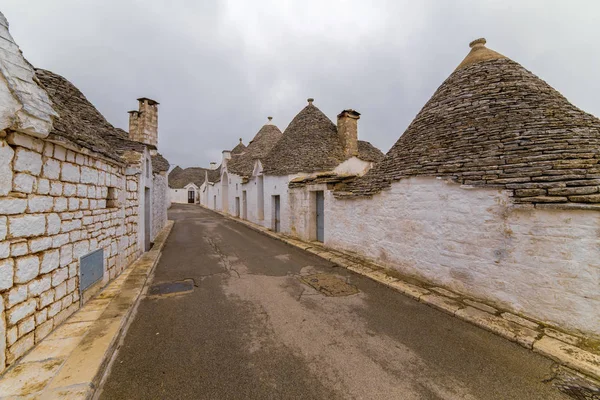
(226, 156)
(347, 128)
(143, 123)
(213, 165)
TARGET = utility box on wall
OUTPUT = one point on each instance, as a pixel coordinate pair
(91, 267)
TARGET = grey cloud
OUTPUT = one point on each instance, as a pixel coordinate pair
(219, 68)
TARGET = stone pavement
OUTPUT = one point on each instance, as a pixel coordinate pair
(69, 362)
(580, 354)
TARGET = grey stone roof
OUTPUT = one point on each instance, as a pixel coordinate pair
(180, 178)
(214, 175)
(159, 163)
(368, 152)
(309, 144)
(239, 149)
(257, 149)
(80, 122)
(493, 123)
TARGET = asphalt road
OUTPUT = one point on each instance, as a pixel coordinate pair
(251, 329)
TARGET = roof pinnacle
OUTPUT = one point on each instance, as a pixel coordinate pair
(310, 100)
(477, 42)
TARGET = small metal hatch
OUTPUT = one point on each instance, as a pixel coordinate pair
(91, 267)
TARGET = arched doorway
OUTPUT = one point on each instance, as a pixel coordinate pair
(225, 192)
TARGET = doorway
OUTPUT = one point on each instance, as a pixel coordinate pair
(215, 202)
(225, 192)
(260, 199)
(320, 199)
(147, 208)
(237, 206)
(276, 213)
(191, 196)
(244, 205)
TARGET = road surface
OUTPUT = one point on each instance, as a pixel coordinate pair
(251, 329)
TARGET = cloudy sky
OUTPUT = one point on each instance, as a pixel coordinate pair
(220, 67)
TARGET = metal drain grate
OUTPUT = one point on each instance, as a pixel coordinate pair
(171, 288)
(329, 285)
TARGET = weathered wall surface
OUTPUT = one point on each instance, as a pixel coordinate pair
(303, 211)
(277, 185)
(23, 104)
(160, 203)
(544, 263)
(56, 205)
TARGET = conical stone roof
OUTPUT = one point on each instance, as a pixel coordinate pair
(311, 143)
(494, 123)
(257, 149)
(239, 149)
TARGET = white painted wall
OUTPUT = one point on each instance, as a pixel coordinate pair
(181, 195)
(544, 263)
(303, 211)
(353, 166)
(277, 185)
(214, 192)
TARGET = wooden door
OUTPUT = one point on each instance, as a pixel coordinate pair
(191, 196)
(320, 216)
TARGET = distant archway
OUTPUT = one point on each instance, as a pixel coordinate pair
(225, 192)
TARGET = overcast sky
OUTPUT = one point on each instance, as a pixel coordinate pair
(219, 68)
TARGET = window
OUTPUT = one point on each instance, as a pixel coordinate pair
(112, 197)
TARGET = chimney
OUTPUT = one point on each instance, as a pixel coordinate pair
(143, 123)
(226, 156)
(213, 165)
(347, 127)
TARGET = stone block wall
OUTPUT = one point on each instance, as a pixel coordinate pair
(56, 205)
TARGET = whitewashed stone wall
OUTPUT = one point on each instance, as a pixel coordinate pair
(543, 263)
(303, 211)
(251, 188)
(181, 195)
(277, 185)
(56, 205)
(160, 203)
(214, 196)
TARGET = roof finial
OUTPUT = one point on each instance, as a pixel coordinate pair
(240, 140)
(478, 42)
(310, 100)
(270, 119)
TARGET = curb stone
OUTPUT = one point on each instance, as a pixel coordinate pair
(532, 335)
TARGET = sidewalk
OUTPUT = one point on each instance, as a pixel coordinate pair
(570, 351)
(70, 362)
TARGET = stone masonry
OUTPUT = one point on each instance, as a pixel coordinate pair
(54, 209)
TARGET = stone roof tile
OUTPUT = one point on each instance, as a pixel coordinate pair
(80, 122)
(257, 149)
(494, 123)
(180, 178)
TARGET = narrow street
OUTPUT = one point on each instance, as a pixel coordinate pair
(250, 329)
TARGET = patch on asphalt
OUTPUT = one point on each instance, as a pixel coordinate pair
(171, 288)
(329, 285)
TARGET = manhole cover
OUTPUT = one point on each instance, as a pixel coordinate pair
(168, 288)
(329, 285)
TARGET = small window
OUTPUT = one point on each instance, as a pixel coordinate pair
(112, 197)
